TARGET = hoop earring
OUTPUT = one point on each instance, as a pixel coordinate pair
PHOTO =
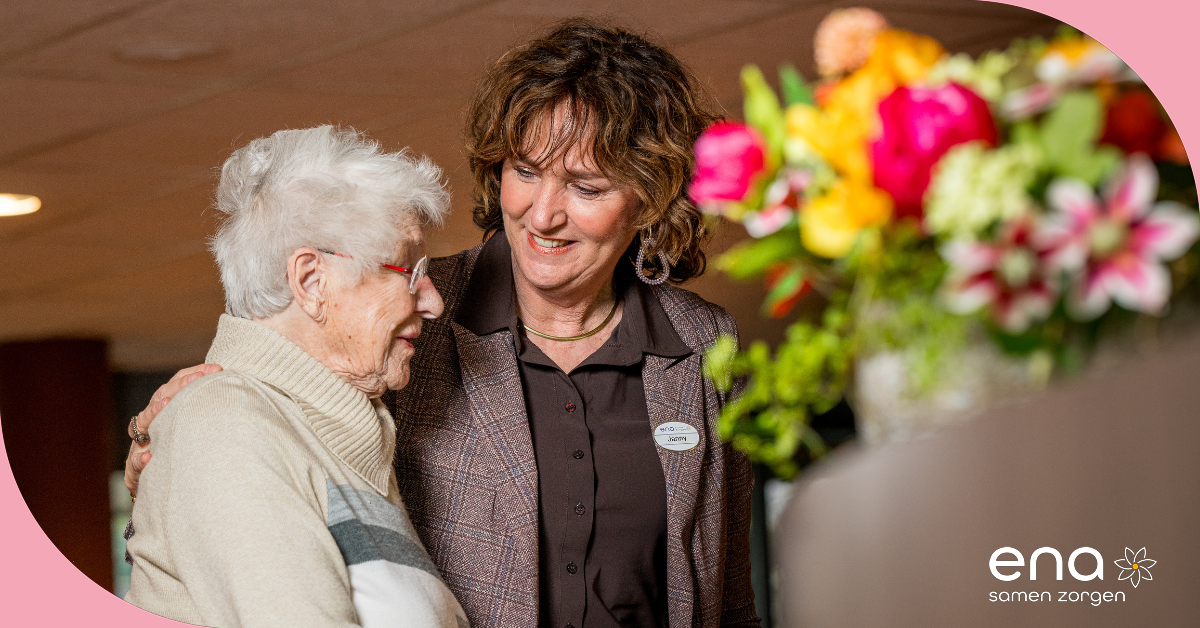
(664, 264)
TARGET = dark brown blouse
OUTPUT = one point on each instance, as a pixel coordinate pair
(602, 497)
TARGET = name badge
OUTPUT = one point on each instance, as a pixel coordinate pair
(676, 436)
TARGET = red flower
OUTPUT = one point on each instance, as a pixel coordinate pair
(1134, 123)
(919, 125)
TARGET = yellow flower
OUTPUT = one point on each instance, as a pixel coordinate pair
(838, 135)
(831, 222)
(858, 95)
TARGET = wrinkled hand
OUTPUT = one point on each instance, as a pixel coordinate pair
(139, 453)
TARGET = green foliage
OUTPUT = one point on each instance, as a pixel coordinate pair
(1018, 344)
(752, 258)
(718, 360)
(1026, 53)
(806, 376)
(912, 264)
(763, 112)
(787, 288)
(795, 88)
(1069, 134)
(887, 300)
(1066, 31)
(905, 314)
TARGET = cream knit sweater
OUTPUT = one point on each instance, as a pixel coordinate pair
(271, 501)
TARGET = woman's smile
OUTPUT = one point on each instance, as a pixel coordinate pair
(550, 246)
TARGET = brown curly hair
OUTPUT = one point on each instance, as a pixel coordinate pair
(637, 105)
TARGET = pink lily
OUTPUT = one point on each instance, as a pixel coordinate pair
(1114, 246)
(1007, 276)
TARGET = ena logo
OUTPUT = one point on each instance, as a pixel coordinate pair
(995, 563)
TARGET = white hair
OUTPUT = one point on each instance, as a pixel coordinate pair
(326, 188)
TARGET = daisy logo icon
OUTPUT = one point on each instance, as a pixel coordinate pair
(1135, 567)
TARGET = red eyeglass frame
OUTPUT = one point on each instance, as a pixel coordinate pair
(416, 273)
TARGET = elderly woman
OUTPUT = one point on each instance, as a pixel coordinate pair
(272, 500)
(558, 446)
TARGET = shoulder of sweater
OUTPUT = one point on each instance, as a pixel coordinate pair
(696, 320)
(229, 407)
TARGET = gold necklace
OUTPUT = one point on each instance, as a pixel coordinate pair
(580, 336)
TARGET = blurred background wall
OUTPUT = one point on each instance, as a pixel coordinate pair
(117, 114)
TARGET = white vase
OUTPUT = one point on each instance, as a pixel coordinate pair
(889, 405)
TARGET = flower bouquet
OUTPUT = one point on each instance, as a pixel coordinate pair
(1035, 200)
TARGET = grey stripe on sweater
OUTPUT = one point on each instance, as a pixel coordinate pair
(367, 527)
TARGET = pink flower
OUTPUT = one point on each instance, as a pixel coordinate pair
(729, 155)
(1115, 246)
(1007, 276)
(919, 125)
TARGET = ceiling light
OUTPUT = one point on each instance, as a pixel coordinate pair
(17, 204)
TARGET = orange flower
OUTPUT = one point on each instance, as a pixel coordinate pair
(907, 56)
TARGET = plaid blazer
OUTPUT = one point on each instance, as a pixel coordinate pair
(466, 469)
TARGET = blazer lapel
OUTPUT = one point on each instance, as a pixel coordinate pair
(675, 392)
(492, 382)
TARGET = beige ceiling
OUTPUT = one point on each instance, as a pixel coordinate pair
(121, 142)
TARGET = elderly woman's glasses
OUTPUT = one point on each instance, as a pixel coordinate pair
(415, 273)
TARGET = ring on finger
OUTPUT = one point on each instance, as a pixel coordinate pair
(139, 436)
